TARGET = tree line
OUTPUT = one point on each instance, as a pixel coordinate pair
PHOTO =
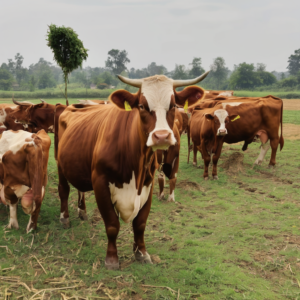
(43, 74)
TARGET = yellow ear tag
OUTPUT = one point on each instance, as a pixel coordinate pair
(236, 118)
(186, 105)
(127, 106)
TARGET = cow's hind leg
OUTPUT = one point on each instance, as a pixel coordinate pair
(32, 224)
(139, 226)
(12, 200)
(263, 151)
(274, 145)
(81, 206)
(111, 221)
(63, 191)
(195, 155)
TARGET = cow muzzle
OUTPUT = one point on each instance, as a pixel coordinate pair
(162, 139)
(222, 132)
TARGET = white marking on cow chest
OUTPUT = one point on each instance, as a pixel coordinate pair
(126, 200)
(231, 104)
(2, 115)
(14, 141)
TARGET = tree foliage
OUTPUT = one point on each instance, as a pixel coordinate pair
(196, 69)
(69, 52)
(117, 61)
(6, 79)
(294, 63)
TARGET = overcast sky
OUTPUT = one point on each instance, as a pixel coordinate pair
(163, 31)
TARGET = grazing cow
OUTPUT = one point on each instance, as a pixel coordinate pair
(169, 159)
(112, 151)
(38, 116)
(8, 122)
(232, 122)
(23, 173)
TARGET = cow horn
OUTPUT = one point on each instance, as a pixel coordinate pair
(178, 83)
(43, 101)
(134, 82)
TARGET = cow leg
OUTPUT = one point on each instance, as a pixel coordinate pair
(63, 191)
(274, 145)
(263, 151)
(139, 226)
(12, 200)
(173, 179)
(206, 158)
(111, 221)
(195, 155)
(161, 183)
(32, 224)
(215, 160)
(81, 206)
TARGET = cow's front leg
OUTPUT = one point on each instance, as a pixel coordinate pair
(110, 218)
(173, 179)
(274, 145)
(195, 155)
(161, 183)
(206, 158)
(215, 160)
(32, 224)
(139, 226)
(81, 206)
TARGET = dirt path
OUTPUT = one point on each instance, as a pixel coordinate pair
(291, 131)
(291, 104)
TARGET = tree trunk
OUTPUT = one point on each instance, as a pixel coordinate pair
(66, 92)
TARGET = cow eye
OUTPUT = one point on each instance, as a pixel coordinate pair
(141, 106)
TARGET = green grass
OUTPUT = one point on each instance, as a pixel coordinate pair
(291, 117)
(282, 95)
(219, 241)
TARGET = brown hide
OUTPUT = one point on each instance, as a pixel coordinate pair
(27, 167)
(6, 118)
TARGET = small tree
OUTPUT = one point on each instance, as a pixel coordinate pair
(117, 61)
(68, 50)
(294, 63)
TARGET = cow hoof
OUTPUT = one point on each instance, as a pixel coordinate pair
(216, 177)
(271, 166)
(161, 197)
(258, 162)
(194, 164)
(82, 215)
(65, 222)
(142, 258)
(13, 224)
(205, 178)
(200, 167)
(112, 266)
(171, 199)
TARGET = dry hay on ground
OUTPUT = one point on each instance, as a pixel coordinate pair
(291, 131)
(291, 104)
(234, 163)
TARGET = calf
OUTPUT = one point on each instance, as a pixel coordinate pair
(23, 173)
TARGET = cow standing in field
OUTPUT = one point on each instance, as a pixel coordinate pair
(23, 173)
(112, 151)
(233, 121)
(37, 116)
(169, 159)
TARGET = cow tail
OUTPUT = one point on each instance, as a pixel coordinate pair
(188, 136)
(281, 140)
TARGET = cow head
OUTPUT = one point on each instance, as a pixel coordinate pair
(156, 102)
(220, 118)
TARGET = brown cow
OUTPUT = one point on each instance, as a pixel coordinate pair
(38, 116)
(232, 122)
(23, 173)
(212, 94)
(169, 159)
(112, 151)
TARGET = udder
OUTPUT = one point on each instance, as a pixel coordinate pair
(27, 201)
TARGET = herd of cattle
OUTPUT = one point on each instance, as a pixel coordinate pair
(114, 147)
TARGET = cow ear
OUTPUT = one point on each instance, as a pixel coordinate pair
(119, 97)
(209, 116)
(192, 94)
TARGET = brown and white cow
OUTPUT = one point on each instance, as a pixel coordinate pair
(37, 116)
(169, 159)
(23, 173)
(236, 121)
(112, 151)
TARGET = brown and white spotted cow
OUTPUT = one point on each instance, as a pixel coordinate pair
(235, 121)
(23, 173)
(169, 159)
(112, 151)
(37, 116)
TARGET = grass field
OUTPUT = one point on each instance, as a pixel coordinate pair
(235, 238)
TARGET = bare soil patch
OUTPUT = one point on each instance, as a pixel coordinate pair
(189, 185)
(291, 104)
(234, 163)
(291, 131)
